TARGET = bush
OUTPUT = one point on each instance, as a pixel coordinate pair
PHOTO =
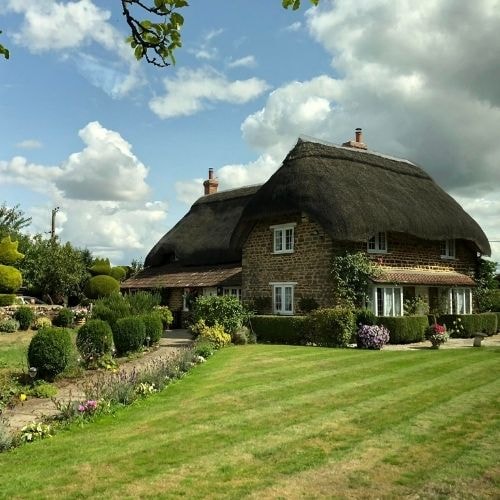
(6, 437)
(42, 322)
(94, 339)
(25, 316)
(308, 304)
(365, 317)
(224, 310)
(154, 327)
(240, 337)
(331, 327)
(470, 324)
(10, 279)
(143, 302)
(101, 286)
(215, 334)
(372, 337)
(495, 300)
(7, 299)
(118, 273)
(165, 314)
(50, 351)
(64, 318)
(129, 334)
(404, 329)
(101, 267)
(9, 325)
(279, 329)
(111, 308)
(203, 348)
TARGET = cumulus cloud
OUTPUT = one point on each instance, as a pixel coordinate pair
(192, 90)
(243, 62)
(72, 26)
(29, 144)
(205, 50)
(294, 26)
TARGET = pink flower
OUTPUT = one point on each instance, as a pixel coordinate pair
(81, 408)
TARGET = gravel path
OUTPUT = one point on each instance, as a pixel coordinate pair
(493, 341)
(35, 409)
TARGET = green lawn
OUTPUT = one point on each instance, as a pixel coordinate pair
(287, 422)
(13, 347)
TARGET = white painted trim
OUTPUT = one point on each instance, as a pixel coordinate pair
(283, 283)
(283, 226)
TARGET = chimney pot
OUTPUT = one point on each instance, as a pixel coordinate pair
(358, 141)
(210, 173)
(211, 184)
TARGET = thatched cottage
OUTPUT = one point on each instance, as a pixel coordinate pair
(273, 244)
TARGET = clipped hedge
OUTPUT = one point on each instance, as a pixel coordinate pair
(129, 334)
(404, 329)
(10, 279)
(471, 323)
(101, 286)
(331, 327)
(154, 327)
(94, 339)
(25, 316)
(279, 329)
(118, 273)
(50, 351)
(7, 299)
(64, 318)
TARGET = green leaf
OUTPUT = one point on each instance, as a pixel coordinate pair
(139, 52)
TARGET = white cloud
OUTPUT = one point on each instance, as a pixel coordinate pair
(294, 26)
(243, 62)
(191, 91)
(205, 50)
(69, 27)
(29, 144)
(105, 170)
(189, 191)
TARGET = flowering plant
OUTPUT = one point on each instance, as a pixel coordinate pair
(437, 335)
(87, 407)
(372, 336)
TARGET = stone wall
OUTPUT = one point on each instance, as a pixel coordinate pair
(309, 265)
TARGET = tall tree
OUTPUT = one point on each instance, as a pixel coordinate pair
(12, 220)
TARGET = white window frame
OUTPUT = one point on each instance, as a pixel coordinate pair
(283, 287)
(377, 243)
(280, 235)
(185, 307)
(232, 291)
(448, 250)
(209, 291)
(460, 301)
(395, 293)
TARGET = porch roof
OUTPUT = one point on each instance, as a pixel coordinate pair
(176, 276)
(423, 277)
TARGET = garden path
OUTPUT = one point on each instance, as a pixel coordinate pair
(35, 409)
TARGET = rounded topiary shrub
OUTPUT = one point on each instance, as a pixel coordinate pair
(7, 299)
(154, 327)
(94, 339)
(118, 273)
(129, 334)
(9, 325)
(101, 286)
(101, 266)
(25, 316)
(64, 318)
(10, 279)
(50, 351)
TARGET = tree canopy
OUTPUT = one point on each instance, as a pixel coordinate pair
(155, 28)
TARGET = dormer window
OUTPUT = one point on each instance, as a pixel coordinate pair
(448, 249)
(378, 243)
(283, 238)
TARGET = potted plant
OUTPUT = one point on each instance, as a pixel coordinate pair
(437, 335)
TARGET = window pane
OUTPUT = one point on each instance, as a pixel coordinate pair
(289, 239)
(380, 302)
(288, 299)
(397, 302)
(278, 242)
(451, 248)
(277, 299)
(371, 243)
(389, 305)
(468, 309)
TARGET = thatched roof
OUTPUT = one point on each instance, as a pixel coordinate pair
(177, 276)
(202, 235)
(354, 193)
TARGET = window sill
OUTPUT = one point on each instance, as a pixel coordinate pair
(446, 257)
(382, 252)
(281, 252)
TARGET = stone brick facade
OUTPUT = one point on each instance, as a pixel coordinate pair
(309, 264)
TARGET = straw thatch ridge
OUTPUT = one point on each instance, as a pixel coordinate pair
(355, 193)
(202, 235)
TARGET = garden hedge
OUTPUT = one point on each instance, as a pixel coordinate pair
(279, 329)
(154, 327)
(472, 323)
(64, 318)
(25, 316)
(94, 338)
(7, 299)
(129, 334)
(101, 286)
(404, 329)
(333, 327)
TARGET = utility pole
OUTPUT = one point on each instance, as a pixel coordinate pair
(53, 225)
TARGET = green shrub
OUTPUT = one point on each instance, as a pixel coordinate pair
(495, 300)
(111, 308)
(7, 299)
(64, 318)
(331, 327)
(203, 347)
(308, 304)
(41, 322)
(25, 316)
(166, 315)
(129, 334)
(143, 302)
(214, 334)
(240, 336)
(101, 286)
(470, 324)
(154, 327)
(9, 325)
(497, 314)
(279, 329)
(118, 273)
(224, 310)
(94, 339)
(42, 389)
(365, 317)
(101, 267)
(404, 329)
(50, 351)
(10, 279)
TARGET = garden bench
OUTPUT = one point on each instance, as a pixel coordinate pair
(478, 337)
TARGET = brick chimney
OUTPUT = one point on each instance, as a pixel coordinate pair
(358, 142)
(211, 184)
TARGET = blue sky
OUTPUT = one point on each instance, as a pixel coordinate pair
(122, 147)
